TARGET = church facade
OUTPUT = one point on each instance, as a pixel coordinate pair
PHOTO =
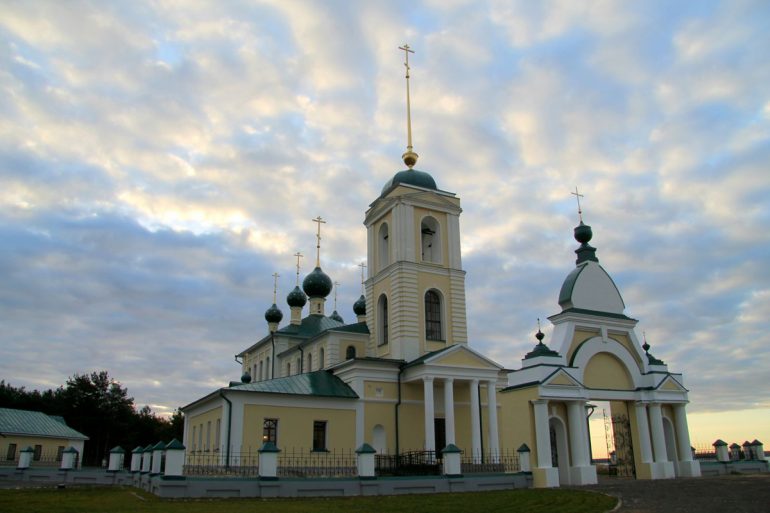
(404, 377)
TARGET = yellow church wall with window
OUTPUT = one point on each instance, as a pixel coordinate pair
(46, 448)
(605, 371)
(517, 420)
(295, 426)
(578, 337)
(204, 425)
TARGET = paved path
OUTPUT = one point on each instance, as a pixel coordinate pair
(748, 493)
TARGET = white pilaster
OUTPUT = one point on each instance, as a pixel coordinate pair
(664, 468)
(643, 426)
(449, 411)
(545, 476)
(687, 467)
(475, 421)
(430, 436)
(494, 439)
(581, 472)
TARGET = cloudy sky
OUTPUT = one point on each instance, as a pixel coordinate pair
(160, 160)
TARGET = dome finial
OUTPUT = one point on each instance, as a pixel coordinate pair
(318, 241)
(362, 266)
(298, 255)
(275, 285)
(336, 286)
(577, 197)
(410, 157)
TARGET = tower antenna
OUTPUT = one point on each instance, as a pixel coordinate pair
(410, 157)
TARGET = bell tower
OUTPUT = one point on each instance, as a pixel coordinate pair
(416, 286)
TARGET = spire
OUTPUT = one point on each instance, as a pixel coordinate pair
(298, 255)
(410, 157)
(583, 235)
(318, 241)
(540, 348)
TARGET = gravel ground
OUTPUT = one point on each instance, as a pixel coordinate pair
(748, 493)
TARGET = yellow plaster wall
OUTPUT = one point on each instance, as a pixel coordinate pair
(517, 420)
(412, 426)
(465, 359)
(605, 371)
(380, 390)
(561, 379)
(578, 337)
(201, 421)
(383, 414)
(295, 426)
(49, 447)
(386, 219)
(379, 288)
(360, 346)
(624, 340)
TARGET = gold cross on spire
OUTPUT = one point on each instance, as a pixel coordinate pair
(298, 255)
(318, 242)
(410, 157)
(275, 285)
(577, 197)
(362, 266)
(336, 285)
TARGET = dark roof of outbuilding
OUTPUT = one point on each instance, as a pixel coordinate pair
(319, 383)
(35, 423)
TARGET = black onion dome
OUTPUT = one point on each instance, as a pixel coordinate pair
(337, 317)
(359, 307)
(273, 314)
(583, 233)
(246, 377)
(296, 298)
(317, 283)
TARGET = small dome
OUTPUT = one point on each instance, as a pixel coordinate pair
(359, 307)
(246, 377)
(337, 317)
(317, 283)
(583, 233)
(273, 314)
(296, 298)
(411, 177)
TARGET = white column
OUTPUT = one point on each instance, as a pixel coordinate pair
(658, 438)
(682, 432)
(430, 437)
(542, 433)
(494, 440)
(475, 421)
(643, 427)
(577, 439)
(449, 411)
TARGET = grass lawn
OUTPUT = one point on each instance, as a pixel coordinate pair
(123, 499)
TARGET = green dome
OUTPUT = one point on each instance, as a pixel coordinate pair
(273, 314)
(317, 283)
(359, 307)
(245, 377)
(411, 177)
(296, 297)
(337, 317)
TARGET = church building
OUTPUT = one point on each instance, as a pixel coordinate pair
(404, 376)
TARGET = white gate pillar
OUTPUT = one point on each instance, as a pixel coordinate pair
(664, 468)
(687, 466)
(581, 471)
(475, 421)
(544, 475)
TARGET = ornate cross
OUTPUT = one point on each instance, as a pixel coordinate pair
(298, 255)
(318, 243)
(336, 285)
(410, 158)
(362, 266)
(275, 285)
(577, 197)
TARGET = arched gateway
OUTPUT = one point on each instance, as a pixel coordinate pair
(600, 358)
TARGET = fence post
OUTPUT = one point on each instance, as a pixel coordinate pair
(524, 464)
(174, 458)
(452, 466)
(25, 458)
(117, 454)
(136, 459)
(68, 458)
(268, 461)
(759, 450)
(157, 458)
(720, 448)
(146, 459)
(365, 456)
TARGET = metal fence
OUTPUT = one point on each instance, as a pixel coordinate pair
(305, 463)
(490, 462)
(214, 464)
(409, 463)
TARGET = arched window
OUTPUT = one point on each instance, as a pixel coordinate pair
(261, 369)
(430, 233)
(254, 372)
(299, 366)
(321, 361)
(309, 362)
(350, 352)
(433, 316)
(267, 368)
(382, 314)
(288, 368)
(384, 246)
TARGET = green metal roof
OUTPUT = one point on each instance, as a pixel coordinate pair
(35, 423)
(421, 360)
(310, 326)
(319, 383)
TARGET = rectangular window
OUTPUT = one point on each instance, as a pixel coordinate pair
(192, 440)
(319, 435)
(38, 453)
(200, 437)
(208, 435)
(59, 453)
(270, 431)
(218, 439)
(11, 454)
